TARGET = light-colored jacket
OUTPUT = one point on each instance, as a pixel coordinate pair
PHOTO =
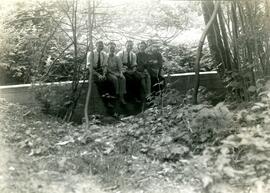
(123, 56)
(103, 59)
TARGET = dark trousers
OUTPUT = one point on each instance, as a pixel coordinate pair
(105, 88)
(145, 80)
(119, 83)
(133, 83)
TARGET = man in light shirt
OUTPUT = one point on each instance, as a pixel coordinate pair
(100, 63)
(129, 61)
(115, 73)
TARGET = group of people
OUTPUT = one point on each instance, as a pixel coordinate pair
(134, 75)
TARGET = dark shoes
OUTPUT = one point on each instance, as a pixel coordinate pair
(110, 105)
(122, 100)
(137, 100)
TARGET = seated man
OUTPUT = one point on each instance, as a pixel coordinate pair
(115, 74)
(143, 62)
(99, 68)
(128, 59)
(154, 68)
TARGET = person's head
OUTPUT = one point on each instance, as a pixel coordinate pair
(99, 46)
(142, 46)
(129, 45)
(112, 47)
(154, 48)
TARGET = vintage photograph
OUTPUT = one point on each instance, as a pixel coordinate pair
(134, 96)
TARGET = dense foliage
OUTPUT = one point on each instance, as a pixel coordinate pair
(181, 59)
(48, 41)
(239, 42)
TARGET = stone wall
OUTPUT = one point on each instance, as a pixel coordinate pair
(24, 94)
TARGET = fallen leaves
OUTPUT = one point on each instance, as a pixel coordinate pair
(185, 142)
(66, 141)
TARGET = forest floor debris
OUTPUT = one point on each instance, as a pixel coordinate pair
(182, 148)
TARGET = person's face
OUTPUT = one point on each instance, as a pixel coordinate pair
(129, 46)
(154, 48)
(112, 49)
(142, 47)
(100, 46)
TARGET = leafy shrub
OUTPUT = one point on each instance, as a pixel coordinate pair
(241, 85)
(242, 158)
(166, 97)
(12, 75)
(180, 59)
(178, 132)
(53, 98)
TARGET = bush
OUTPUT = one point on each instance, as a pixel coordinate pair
(12, 75)
(180, 59)
(53, 98)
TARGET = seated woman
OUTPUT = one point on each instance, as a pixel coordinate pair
(115, 74)
(154, 69)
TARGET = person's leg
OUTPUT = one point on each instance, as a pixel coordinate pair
(122, 89)
(98, 84)
(154, 85)
(148, 84)
(138, 86)
(114, 80)
(129, 85)
(143, 87)
(102, 90)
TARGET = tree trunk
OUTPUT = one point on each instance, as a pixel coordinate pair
(235, 36)
(199, 51)
(75, 93)
(267, 29)
(213, 37)
(227, 52)
(91, 18)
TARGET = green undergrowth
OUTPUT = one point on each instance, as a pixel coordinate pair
(204, 147)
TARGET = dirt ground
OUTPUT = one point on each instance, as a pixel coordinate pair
(38, 154)
(19, 173)
(22, 171)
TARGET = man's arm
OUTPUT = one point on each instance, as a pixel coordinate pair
(120, 66)
(120, 56)
(88, 59)
(88, 63)
(105, 65)
(134, 63)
